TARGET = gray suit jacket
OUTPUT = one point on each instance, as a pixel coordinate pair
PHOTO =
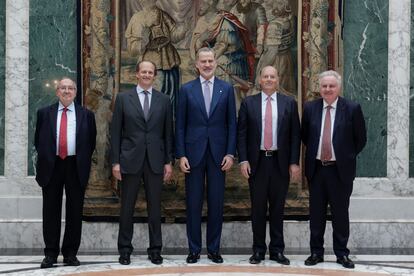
(132, 137)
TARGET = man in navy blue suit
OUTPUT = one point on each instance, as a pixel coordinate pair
(268, 143)
(205, 145)
(333, 131)
(65, 139)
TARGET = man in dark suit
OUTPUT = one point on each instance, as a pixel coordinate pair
(142, 149)
(333, 131)
(205, 144)
(65, 140)
(268, 144)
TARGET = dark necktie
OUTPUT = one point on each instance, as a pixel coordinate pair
(268, 134)
(63, 143)
(146, 104)
(326, 151)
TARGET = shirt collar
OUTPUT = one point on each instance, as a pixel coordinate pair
(264, 96)
(140, 89)
(333, 105)
(202, 80)
(70, 107)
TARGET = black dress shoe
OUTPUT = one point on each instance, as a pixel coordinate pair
(215, 258)
(48, 262)
(256, 258)
(345, 262)
(71, 261)
(280, 258)
(155, 258)
(124, 258)
(192, 258)
(313, 259)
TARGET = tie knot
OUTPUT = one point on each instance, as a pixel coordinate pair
(65, 109)
(145, 92)
(269, 98)
(328, 107)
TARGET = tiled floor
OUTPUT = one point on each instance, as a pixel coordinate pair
(233, 265)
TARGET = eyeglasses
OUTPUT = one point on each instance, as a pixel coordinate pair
(70, 88)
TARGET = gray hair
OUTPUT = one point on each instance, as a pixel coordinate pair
(205, 50)
(331, 73)
(66, 78)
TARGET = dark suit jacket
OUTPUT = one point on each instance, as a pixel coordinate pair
(349, 136)
(132, 137)
(195, 130)
(45, 142)
(250, 131)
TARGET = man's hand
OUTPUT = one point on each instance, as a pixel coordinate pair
(227, 163)
(294, 171)
(168, 171)
(116, 171)
(184, 165)
(245, 169)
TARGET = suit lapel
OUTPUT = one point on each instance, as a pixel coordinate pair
(53, 111)
(79, 118)
(217, 92)
(198, 95)
(281, 105)
(338, 116)
(319, 109)
(258, 107)
(133, 96)
(154, 99)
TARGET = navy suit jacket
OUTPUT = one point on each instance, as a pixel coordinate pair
(349, 136)
(195, 130)
(132, 137)
(250, 131)
(45, 142)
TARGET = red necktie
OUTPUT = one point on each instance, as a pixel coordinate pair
(326, 151)
(268, 135)
(63, 143)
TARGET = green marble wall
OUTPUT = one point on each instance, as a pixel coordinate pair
(2, 78)
(52, 50)
(365, 76)
(411, 173)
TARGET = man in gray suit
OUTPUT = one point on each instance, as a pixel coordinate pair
(142, 148)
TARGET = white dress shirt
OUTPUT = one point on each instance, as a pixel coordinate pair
(210, 85)
(274, 120)
(333, 113)
(141, 96)
(71, 128)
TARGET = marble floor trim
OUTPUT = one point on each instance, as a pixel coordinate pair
(106, 264)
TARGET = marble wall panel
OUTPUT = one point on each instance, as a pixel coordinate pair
(53, 54)
(411, 170)
(365, 76)
(103, 236)
(2, 79)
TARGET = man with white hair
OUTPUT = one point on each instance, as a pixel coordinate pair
(333, 131)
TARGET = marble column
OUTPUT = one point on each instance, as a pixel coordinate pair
(389, 198)
(19, 195)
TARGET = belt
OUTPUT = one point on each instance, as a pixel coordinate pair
(268, 153)
(325, 163)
